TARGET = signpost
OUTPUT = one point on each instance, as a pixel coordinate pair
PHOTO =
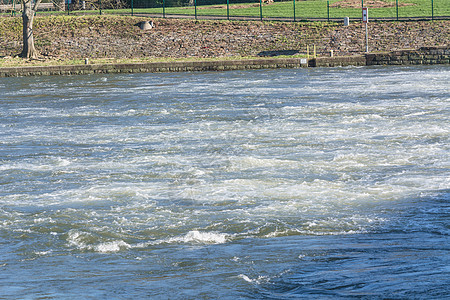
(365, 15)
(365, 20)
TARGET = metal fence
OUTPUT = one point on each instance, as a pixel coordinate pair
(293, 10)
(14, 6)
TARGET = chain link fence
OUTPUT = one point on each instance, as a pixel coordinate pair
(293, 10)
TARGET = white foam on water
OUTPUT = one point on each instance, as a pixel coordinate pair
(78, 239)
(42, 253)
(200, 237)
(249, 162)
(294, 158)
(45, 164)
(86, 241)
(108, 247)
(258, 280)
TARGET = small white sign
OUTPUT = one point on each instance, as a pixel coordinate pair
(303, 61)
(365, 15)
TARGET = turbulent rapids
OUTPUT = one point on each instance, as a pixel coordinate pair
(259, 184)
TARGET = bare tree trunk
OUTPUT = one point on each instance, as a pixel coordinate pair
(28, 50)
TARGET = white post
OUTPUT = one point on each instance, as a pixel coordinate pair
(365, 19)
(367, 40)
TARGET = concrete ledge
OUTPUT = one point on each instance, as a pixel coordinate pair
(424, 55)
(339, 61)
(153, 67)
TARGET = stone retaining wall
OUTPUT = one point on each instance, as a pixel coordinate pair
(422, 56)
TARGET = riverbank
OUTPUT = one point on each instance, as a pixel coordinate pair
(80, 37)
(118, 40)
(422, 56)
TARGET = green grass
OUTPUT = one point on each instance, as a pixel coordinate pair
(314, 9)
(303, 10)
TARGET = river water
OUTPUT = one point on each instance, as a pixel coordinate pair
(269, 184)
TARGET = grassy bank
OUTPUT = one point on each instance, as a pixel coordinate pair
(112, 36)
(117, 39)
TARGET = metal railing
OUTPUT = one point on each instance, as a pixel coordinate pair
(293, 10)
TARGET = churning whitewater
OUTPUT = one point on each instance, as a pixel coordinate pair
(274, 184)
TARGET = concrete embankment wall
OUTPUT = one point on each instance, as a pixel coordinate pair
(424, 56)
(339, 61)
(153, 67)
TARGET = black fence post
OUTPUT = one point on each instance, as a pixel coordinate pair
(432, 10)
(260, 9)
(396, 5)
(328, 11)
(294, 10)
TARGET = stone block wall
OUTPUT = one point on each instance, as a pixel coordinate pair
(421, 56)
